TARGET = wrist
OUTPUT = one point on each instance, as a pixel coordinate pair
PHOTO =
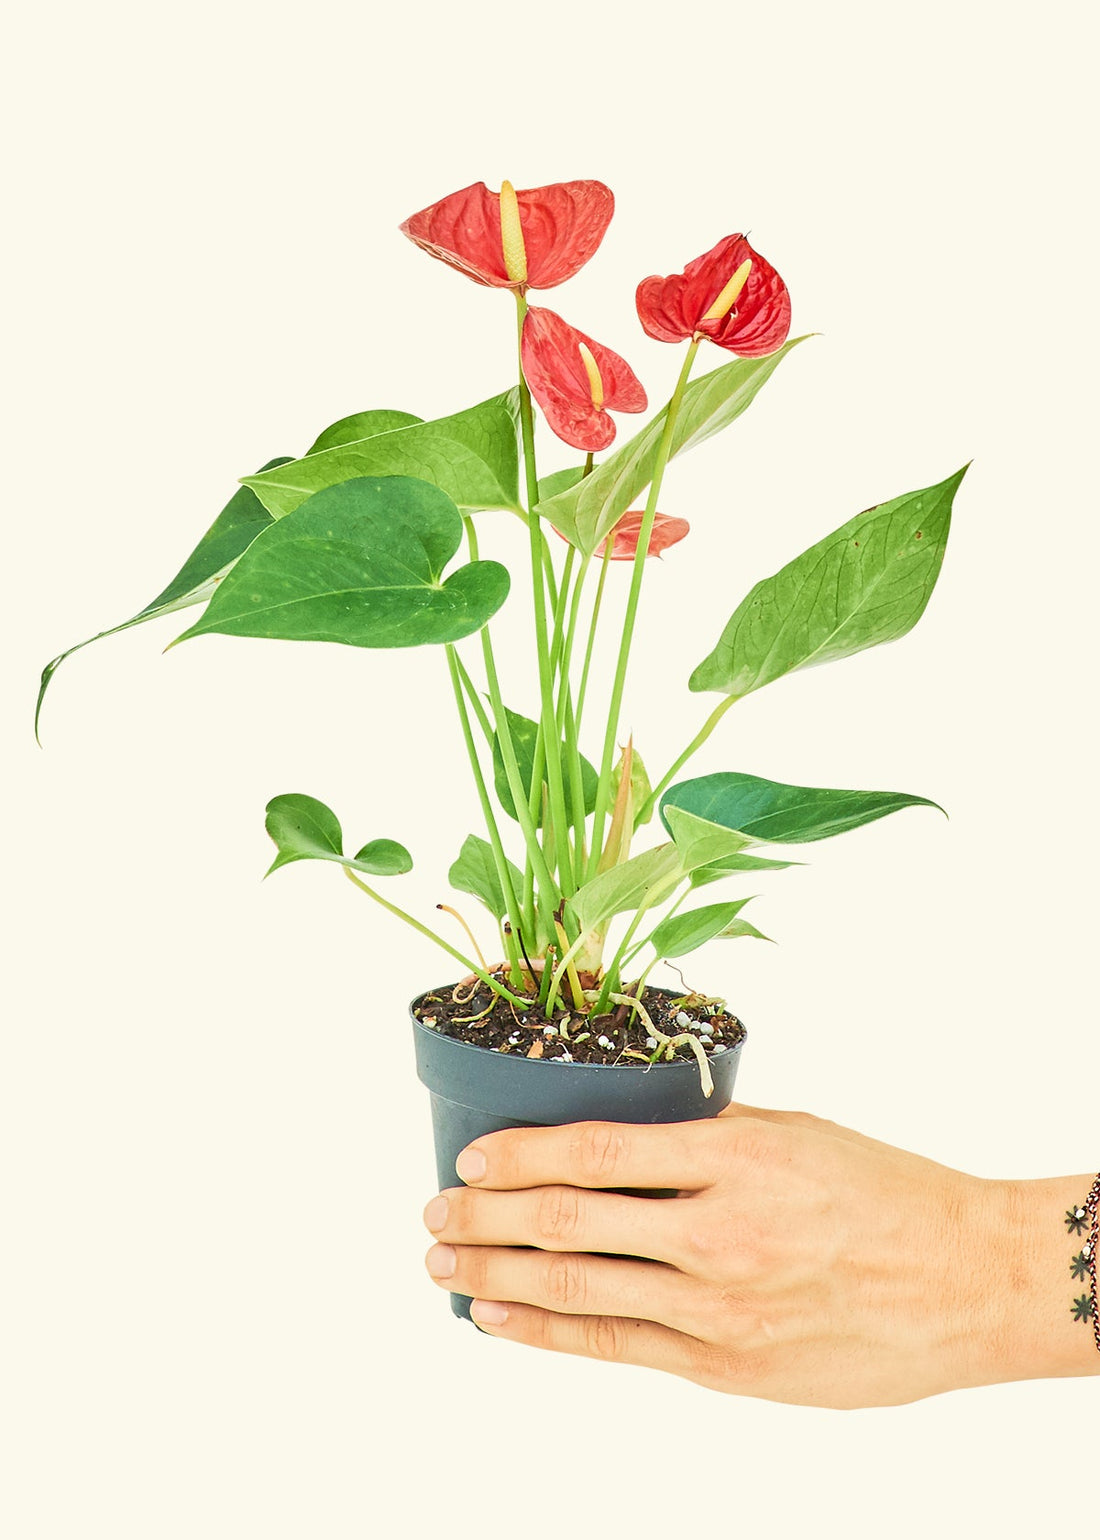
(1045, 1331)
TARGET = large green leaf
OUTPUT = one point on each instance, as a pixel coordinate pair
(472, 456)
(349, 430)
(524, 734)
(306, 830)
(763, 810)
(682, 933)
(867, 582)
(359, 563)
(232, 532)
(475, 871)
(585, 512)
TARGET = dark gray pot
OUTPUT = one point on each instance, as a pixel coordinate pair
(475, 1091)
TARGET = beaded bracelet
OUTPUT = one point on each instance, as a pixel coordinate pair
(1087, 1308)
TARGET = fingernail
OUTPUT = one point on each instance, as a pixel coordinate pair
(486, 1312)
(471, 1165)
(441, 1261)
(435, 1215)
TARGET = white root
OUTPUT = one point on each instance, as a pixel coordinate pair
(668, 1045)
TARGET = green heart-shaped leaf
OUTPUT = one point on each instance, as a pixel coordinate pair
(360, 563)
(683, 933)
(472, 456)
(588, 510)
(868, 582)
(762, 810)
(524, 734)
(232, 532)
(306, 830)
(475, 871)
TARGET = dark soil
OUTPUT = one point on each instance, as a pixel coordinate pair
(473, 1013)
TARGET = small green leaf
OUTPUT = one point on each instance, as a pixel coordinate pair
(232, 532)
(306, 830)
(475, 871)
(472, 456)
(588, 510)
(360, 563)
(866, 583)
(683, 933)
(524, 734)
(773, 812)
(739, 862)
(349, 430)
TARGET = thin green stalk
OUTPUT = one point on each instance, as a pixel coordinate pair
(593, 619)
(536, 868)
(696, 743)
(546, 685)
(500, 860)
(494, 984)
(657, 895)
(637, 947)
(603, 795)
(475, 700)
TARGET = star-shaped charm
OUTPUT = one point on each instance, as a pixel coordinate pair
(1076, 1220)
(1079, 1267)
(1083, 1308)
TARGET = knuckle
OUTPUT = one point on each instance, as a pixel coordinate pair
(565, 1281)
(605, 1337)
(598, 1150)
(557, 1215)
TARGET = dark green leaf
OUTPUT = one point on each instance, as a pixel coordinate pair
(349, 430)
(771, 811)
(866, 583)
(359, 563)
(524, 733)
(475, 872)
(682, 933)
(232, 532)
(306, 830)
(585, 512)
(472, 456)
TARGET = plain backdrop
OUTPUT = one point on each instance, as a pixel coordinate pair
(215, 1317)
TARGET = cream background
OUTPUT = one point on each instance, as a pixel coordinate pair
(216, 1321)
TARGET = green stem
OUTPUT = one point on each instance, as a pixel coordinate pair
(696, 743)
(500, 860)
(494, 984)
(603, 796)
(475, 700)
(656, 895)
(634, 950)
(554, 776)
(605, 563)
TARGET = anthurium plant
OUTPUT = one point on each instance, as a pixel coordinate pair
(374, 538)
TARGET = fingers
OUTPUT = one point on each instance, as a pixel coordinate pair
(571, 1283)
(559, 1219)
(612, 1338)
(663, 1155)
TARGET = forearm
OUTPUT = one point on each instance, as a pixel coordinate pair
(1045, 1290)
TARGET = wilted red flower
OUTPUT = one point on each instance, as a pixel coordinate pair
(624, 537)
(575, 380)
(731, 295)
(528, 239)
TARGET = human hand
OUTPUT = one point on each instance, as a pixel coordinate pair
(799, 1261)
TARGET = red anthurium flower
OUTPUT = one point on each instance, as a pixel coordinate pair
(530, 239)
(575, 380)
(731, 295)
(624, 537)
